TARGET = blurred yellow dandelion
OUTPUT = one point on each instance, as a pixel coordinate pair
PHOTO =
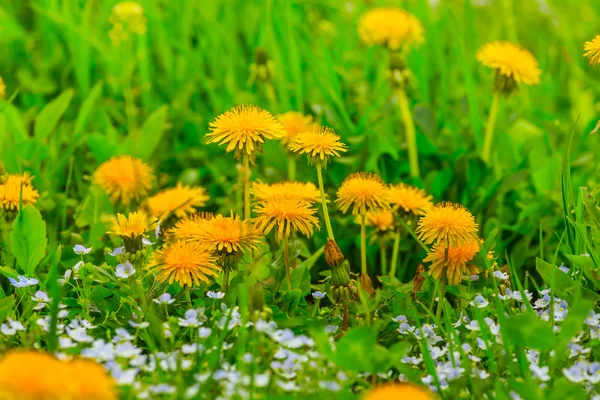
(447, 223)
(391, 27)
(288, 214)
(456, 266)
(244, 129)
(179, 201)
(391, 391)
(294, 122)
(184, 262)
(363, 191)
(409, 199)
(304, 190)
(126, 17)
(510, 60)
(592, 50)
(124, 178)
(381, 219)
(2, 89)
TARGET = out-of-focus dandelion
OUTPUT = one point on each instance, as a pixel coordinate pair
(303, 190)
(592, 50)
(178, 201)
(398, 391)
(124, 179)
(127, 18)
(2, 89)
(391, 27)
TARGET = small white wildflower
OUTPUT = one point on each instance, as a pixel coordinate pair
(317, 295)
(501, 275)
(164, 298)
(81, 250)
(125, 270)
(23, 281)
(215, 295)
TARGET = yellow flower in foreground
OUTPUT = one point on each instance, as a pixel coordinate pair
(187, 263)
(2, 89)
(289, 214)
(188, 226)
(224, 235)
(179, 201)
(457, 264)
(391, 27)
(447, 223)
(592, 50)
(124, 178)
(510, 60)
(134, 225)
(393, 391)
(409, 199)
(294, 122)
(363, 191)
(319, 143)
(244, 129)
(303, 190)
(10, 191)
(33, 375)
(382, 219)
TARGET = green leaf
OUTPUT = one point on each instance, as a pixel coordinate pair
(562, 283)
(99, 292)
(301, 279)
(528, 330)
(290, 300)
(28, 239)
(87, 109)
(6, 307)
(354, 351)
(51, 114)
(142, 143)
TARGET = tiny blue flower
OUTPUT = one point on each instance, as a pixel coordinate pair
(501, 275)
(479, 301)
(564, 269)
(164, 298)
(215, 295)
(80, 249)
(117, 251)
(23, 281)
(317, 295)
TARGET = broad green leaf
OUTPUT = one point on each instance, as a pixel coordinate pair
(87, 109)
(143, 142)
(290, 300)
(301, 279)
(28, 239)
(6, 307)
(51, 114)
(564, 285)
(528, 330)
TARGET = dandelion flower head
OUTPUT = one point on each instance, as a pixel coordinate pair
(409, 199)
(363, 191)
(392, 391)
(187, 263)
(510, 60)
(592, 50)
(244, 129)
(381, 219)
(132, 229)
(288, 214)
(319, 143)
(457, 264)
(391, 27)
(15, 187)
(447, 223)
(126, 17)
(304, 190)
(294, 122)
(124, 179)
(179, 201)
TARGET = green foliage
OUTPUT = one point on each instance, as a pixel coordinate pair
(28, 239)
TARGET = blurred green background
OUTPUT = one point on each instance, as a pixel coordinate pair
(76, 99)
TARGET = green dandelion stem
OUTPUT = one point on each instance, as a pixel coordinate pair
(363, 243)
(291, 168)
(188, 296)
(489, 129)
(395, 251)
(225, 285)
(324, 204)
(411, 136)
(383, 257)
(246, 172)
(286, 261)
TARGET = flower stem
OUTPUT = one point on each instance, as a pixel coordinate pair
(324, 204)
(395, 251)
(363, 243)
(291, 168)
(411, 136)
(246, 172)
(286, 261)
(489, 129)
(442, 295)
(383, 257)
(188, 296)
(345, 318)
(225, 285)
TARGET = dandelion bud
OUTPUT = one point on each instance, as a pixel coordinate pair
(397, 62)
(261, 56)
(366, 284)
(505, 85)
(418, 280)
(333, 254)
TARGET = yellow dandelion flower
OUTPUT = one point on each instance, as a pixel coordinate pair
(510, 60)
(244, 130)
(319, 143)
(398, 391)
(34, 375)
(135, 224)
(592, 50)
(15, 186)
(303, 190)
(188, 226)
(381, 219)
(409, 199)
(223, 235)
(288, 214)
(179, 201)
(456, 266)
(363, 191)
(127, 17)
(124, 178)
(447, 223)
(2, 89)
(391, 27)
(294, 122)
(184, 262)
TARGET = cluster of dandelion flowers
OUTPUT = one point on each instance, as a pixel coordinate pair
(448, 224)
(34, 375)
(124, 179)
(244, 129)
(294, 123)
(592, 50)
(319, 143)
(456, 265)
(409, 199)
(127, 17)
(391, 27)
(398, 391)
(17, 187)
(2, 89)
(179, 201)
(303, 190)
(363, 191)
(132, 229)
(289, 214)
(185, 262)
(510, 61)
